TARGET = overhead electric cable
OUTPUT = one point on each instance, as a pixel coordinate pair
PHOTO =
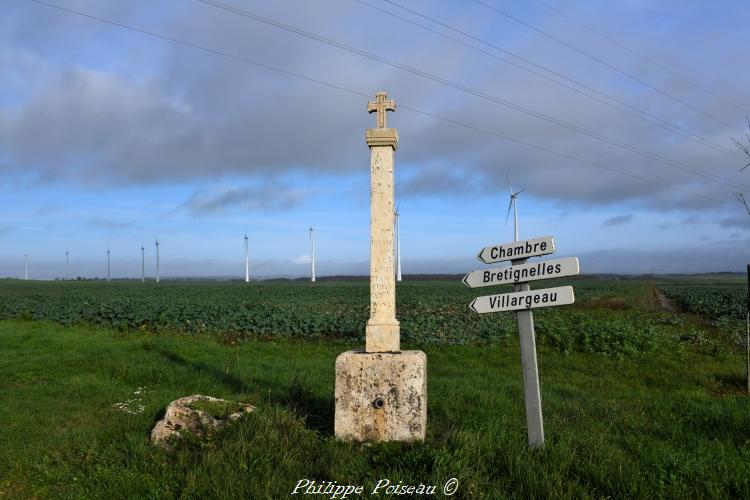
(368, 96)
(636, 111)
(477, 93)
(557, 153)
(605, 63)
(638, 54)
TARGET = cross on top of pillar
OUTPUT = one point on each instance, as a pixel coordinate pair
(380, 106)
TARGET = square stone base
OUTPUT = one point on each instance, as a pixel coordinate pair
(381, 396)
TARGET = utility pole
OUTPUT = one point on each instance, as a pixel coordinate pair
(312, 260)
(247, 262)
(745, 148)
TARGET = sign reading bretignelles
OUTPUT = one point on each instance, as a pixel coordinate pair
(517, 250)
(516, 301)
(546, 269)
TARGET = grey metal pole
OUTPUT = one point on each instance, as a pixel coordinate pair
(143, 264)
(527, 342)
(531, 390)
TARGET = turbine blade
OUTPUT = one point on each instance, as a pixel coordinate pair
(510, 189)
(519, 192)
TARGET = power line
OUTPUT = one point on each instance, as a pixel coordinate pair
(745, 148)
(477, 93)
(558, 153)
(366, 95)
(200, 47)
(636, 53)
(605, 63)
(638, 112)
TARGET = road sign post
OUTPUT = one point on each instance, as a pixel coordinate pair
(523, 300)
(532, 395)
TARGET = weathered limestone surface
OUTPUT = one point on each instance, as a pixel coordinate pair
(382, 332)
(381, 396)
(179, 417)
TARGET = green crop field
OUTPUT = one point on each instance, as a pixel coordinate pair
(608, 317)
(640, 401)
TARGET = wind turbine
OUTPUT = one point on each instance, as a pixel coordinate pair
(108, 267)
(26, 257)
(67, 264)
(143, 264)
(157, 261)
(247, 262)
(312, 260)
(514, 205)
(398, 245)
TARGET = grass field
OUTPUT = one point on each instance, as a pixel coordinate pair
(662, 416)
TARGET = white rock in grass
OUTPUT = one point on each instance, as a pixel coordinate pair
(197, 414)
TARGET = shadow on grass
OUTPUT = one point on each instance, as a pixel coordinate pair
(318, 412)
(733, 383)
(231, 382)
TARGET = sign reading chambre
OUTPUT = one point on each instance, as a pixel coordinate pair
(517, 250)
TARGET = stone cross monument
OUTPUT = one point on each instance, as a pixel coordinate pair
(382, 333)
(381, 392)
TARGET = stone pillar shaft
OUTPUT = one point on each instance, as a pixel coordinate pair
(382, 332)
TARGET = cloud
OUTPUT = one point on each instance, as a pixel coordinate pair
(618, 220)
(151, 112)
(692, 219)
(105, 223)
(736, 221)
(302, 259)
(260, 197)
(693, 259)
(437, 181)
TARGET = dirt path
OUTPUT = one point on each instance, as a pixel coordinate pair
(663, 301)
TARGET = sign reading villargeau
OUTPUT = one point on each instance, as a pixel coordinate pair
(522, 273)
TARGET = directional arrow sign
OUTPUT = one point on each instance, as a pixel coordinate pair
(546, 269)
(517, 250)
(515, 301)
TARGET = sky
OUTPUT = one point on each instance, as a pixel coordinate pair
(195, 122)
